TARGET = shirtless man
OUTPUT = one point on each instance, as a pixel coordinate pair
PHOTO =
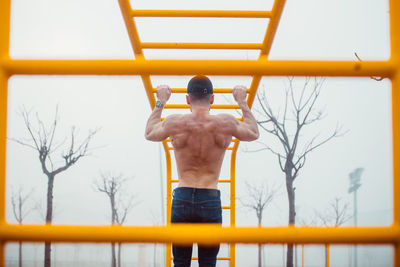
(200, 141)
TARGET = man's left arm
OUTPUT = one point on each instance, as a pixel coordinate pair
(155, 130)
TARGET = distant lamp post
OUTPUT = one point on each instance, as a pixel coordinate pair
(355, 183)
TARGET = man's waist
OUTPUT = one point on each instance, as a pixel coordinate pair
(194, 192)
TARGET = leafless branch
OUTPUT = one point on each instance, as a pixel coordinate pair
(336, 215)
(42, 140)
(310, 146)
(280, 133)
(21, 143)
(259, 196)
(302, 107)
(265, 147)
(18, 201)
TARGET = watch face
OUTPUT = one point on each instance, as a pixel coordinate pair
(158, 104)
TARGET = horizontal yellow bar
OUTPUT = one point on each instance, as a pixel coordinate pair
(219, 181)
(226, 207)
(215, 90)
(201, 13)
(194, 67)
(238, 46)
(214, 106)
(201, 233)
(218, 258)
(233, 139)
(229, 148)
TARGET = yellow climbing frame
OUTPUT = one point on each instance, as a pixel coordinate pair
(204, 234)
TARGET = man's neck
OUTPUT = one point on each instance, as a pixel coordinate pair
(200, 110)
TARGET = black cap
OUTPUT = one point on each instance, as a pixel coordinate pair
(200, 85)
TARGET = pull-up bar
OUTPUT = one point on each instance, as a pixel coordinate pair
(201, 13)
(193, 67)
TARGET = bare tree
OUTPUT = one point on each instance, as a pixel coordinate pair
(299, 112)
(120, 203)
(259, 196)
(20, 211)
(42, 139)
(334, 216)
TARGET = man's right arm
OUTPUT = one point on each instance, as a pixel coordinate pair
(246, 130)
(156, 129)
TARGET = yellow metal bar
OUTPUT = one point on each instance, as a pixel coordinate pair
(396, 255)
(135, 43)
(232, 248)
(302, 255)
(3, 140)
(169, 140)
(5, 7)
(169, 197)
(238, 46)
(219, 181)
(130, 27)
(395, 58)
(277, 10)
(214, 106)
(200, 233)
(255, 83)
(193, 67)
(148, 86)
(4, 54)
(396, 159)
(327, 255)
(215, 90)
(201, 13)
(232, 253)
(394, 9)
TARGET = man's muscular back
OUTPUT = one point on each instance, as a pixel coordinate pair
(200, 139)
(200, 142)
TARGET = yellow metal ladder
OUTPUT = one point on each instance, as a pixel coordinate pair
(274, 15)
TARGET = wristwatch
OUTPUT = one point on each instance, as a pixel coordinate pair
(159, 104)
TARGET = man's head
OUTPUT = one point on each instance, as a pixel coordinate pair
(200, 91)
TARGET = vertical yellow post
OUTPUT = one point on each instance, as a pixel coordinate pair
(327, 255)
(5, 7)
(169, 197)
(396, 159)
(3, 138)
(394, 7)
(232, 248)
(4, 54)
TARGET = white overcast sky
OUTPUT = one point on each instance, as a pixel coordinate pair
(309, 29)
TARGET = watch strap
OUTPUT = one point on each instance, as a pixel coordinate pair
(159, 104)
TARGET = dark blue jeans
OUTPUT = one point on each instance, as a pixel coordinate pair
(196, 205)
